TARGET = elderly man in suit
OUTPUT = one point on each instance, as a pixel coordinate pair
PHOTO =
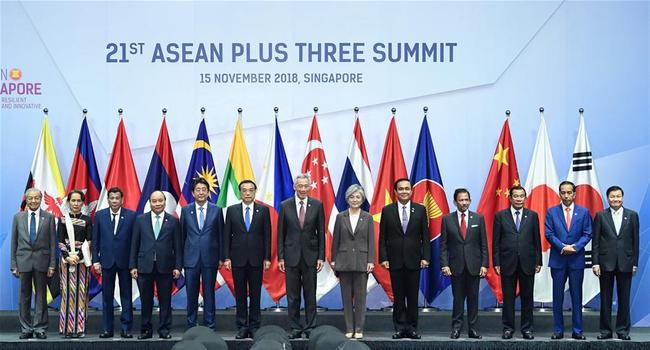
(33, 261)
(568, 230)
(111, 248)
(201, 231)
(517, 257)
(615, 255)
(247, 251)
(301, 252)
(464, 257)
(156, 257)
(404, 250)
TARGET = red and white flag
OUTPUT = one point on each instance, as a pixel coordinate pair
(315, 165)
(542, 185)
(583, 174)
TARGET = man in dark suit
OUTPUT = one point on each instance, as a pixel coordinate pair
(568, 230)
(156, 257)
(301, 252)
(404, 250)
(517, 257)
(247, 248)
(112, 232)
(464, 257)
(615, 256)
(33, 260)
(201, 232)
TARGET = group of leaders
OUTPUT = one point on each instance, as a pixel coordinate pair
(155, 247)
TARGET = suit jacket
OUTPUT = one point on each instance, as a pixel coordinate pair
(353, 250)
(295, 242)
(108, 248)
(27, 257)
(611, 250)
(252, 246)
(510, 246)
(404, 249)
(558, 235)
(202, 246)
(166, 250)
(459, 253)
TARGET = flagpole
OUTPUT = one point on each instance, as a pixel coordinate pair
(356, 112)
(164, 112)
(84, 112)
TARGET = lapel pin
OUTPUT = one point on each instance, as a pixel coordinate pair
(257, 210)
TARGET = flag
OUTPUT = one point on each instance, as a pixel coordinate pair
(503, 174)
(46, 176)
(357, 171)
(391, 168)
(315, 165)
(121, 173)
(541, 185)
(238, 168)
(583, 174)
(85, 177)
(276, 185)
(201, 165)
(428, 190)
(162, 177)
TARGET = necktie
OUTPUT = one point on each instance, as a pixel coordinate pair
(201, 218)
(618, 221)
(114, 223)
(567, 215)
(32, 228)
(405, 219)
(301, 215)
(463, 226)
(517, 220)
(247, 218)
(156, 227)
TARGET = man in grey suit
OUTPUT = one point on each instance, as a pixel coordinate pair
(615, 255)
(301, 252)
(33, 260)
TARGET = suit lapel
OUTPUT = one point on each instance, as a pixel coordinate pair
(626, 219)
(23, 221)
(610, 221)
(511, 221)
(41, 223)
(397, 217)
(457, 225)
(347, 223)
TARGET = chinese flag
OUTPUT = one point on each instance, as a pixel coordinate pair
(503, 174)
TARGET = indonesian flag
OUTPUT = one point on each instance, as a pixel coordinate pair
(391, 168)
(541, 185)
(496, 195)
(121, 173)
(315, 165)
(276, 185)
(583, 174)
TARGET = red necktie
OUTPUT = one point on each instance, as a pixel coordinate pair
(567, 216)
(463, 226)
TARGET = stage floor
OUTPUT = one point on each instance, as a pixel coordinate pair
(434, 327)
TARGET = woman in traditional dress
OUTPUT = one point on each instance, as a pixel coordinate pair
(74, 241)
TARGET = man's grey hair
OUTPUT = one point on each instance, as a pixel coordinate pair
(355, 188)
(32, 190)
(302, 176)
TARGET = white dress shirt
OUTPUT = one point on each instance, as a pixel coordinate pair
(116, 217)
(617, 216)
(460, 218)
(243, 210)
(400, 209)
(29, 219)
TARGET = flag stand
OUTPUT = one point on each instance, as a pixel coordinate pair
(428, 308)
(543, 308)
(496, 308)
(276, 308)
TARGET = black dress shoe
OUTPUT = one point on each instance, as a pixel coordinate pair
(295, 335)
(25, 336)
(624, 337)
(455, 334)
(474, 335)
(164, 336)
(146, 335)
(557, 336)
(398, 335)
(507, 334)
(413, 335)
(126, 334)
(604, 336)
(578, 336)
(41, 335)
(241, 334)
(106, 335)
(528, 335)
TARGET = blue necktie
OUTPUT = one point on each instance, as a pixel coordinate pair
(156, 228)
(517, 220)
(405, 219)
(201, 218)
(32, 228)
(247, 218)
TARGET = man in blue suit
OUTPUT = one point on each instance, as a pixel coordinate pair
(568, 230)
(111, 247)
(201, 228)
(156, 256)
